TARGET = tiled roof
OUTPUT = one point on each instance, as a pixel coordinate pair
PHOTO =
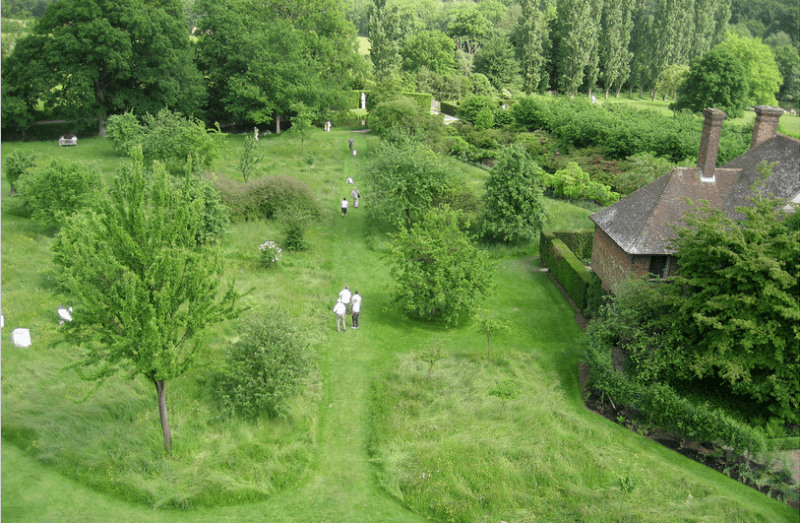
(642, 223)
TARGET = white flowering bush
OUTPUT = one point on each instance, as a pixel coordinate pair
(270, 254)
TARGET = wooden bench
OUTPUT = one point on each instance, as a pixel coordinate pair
(68, 141)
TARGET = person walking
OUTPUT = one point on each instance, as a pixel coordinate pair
(340, 310)
(356, 308)
(356, 195)
(351, 142)
(344, 207)
(344, 295)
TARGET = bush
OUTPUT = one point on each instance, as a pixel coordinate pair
(183, 144)
(17, 164)
(295, 223)
(216, 215)
(266, 366)
(573, 183)
(270, 255)
(264, 197)
(125, 132)
(59, 190)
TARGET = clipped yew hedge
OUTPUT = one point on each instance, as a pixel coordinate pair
(580, 284)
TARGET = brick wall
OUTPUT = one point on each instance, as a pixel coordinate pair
(609, 261)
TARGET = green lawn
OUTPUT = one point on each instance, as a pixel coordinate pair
(502, 439)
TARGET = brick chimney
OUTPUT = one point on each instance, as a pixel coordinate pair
(709, 143)
(766, 125)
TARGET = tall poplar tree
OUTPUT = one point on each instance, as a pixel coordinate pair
(531, 34)
(594, 30)
(574, 47)
(384, 38)
(673, 30)
(615, 57)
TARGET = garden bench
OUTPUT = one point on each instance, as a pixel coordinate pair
(68, 141)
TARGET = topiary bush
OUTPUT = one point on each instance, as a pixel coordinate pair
(266, 366)
(125, 132)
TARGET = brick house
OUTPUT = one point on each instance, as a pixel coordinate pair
(631, 237)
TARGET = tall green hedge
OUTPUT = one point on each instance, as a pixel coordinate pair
(580, 284)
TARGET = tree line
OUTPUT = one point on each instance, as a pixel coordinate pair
(239, 61)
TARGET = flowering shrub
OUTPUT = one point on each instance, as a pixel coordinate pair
(270, 254)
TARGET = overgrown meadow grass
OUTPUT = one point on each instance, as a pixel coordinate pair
(373, 438)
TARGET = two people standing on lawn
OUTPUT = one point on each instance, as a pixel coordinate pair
(347, 304)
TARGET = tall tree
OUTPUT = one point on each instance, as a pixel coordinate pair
(615, 57)
(531, 34)
(761, 72)
(723, 264)
(513, 207)
(433, 50)
(497, 61)
(574, 47)
(640, 47)
(717, 79)
(710, 21)
(384, 38)
(404, 179)
(673, 27)
(594, 30)
(92, 58)
(142, 285)
(788, 61)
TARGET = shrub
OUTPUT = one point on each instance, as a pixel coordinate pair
(270, 254)
(183, 144)
(295, 223)
(125, 132)
(262, 198)
(573, 183)
(58, 190)
(17, 164)
(216, 215)
(266, 366)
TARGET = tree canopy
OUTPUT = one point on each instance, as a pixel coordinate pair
(92, 58)
(142, 285)
(439, 273)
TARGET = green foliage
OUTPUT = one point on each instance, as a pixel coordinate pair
(264, 197)
(141, 285)
(216, 215)
(302, 123)
(430, 49)
(396, 116)
(295, 223)
(404, 179)
(438, 271)
(513, 210)
(717, 79)
(760, 70)
(568, 271)
(16, 165)
(181, 143)
(58, 190)
(125, 132)
(639, 170)
(94, 58)
(489, 325)
(266, 366)
(787, 58)
(495, 59)
(573, 183)
(472, 105)
(249, 158)
(724, 265)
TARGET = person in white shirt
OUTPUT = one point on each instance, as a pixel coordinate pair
(344, 295)
(356, 308)
(355, 195)
(340, 310)
(344, 206)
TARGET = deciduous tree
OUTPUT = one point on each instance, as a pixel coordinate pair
(142, 285)
(438, 271)
(92, 58)
(513, 208)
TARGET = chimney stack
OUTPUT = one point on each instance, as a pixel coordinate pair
(766, 125)
(709, 143)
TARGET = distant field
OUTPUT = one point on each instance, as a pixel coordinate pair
(363, 48)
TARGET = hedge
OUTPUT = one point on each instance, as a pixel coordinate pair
(423, 101)
(663, 407)
(579, 241)
(449, 108)
(580, 284)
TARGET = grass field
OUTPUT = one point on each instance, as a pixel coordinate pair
(375, 437)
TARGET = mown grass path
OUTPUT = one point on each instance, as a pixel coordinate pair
(341, 485)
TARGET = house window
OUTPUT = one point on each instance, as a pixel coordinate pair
(659, 265)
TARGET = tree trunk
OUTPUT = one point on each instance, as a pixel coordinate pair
(161, 390)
